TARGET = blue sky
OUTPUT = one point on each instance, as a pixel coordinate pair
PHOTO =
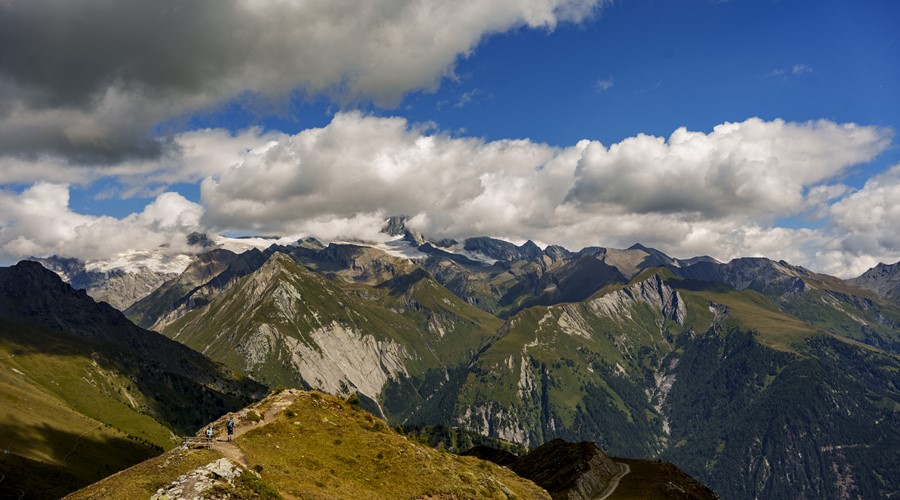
(109, 126)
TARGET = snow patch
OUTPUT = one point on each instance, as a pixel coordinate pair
(136, 260)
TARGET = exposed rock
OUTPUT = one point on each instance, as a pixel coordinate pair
(199, 482)
(653, 291)
(395, 226)
(883, 279)
(503, 250)
(200, 239)
(167, 298)
(556, 252)
(342, 358)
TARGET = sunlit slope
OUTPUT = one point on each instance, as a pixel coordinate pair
(322, 447)
(287, 325)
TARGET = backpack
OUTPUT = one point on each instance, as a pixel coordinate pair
(230, 424)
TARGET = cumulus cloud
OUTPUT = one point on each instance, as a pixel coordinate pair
(866, 228)
(89, 79)
(717, 193)
(39, 222)
(362, 164)
(693, 193)
(748, 169)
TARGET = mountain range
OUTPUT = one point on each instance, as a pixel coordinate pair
(760, 378)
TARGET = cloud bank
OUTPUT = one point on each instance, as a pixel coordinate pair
(719, 193)
(88, 80)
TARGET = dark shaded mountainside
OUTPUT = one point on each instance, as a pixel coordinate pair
(760, 378)
(85, 392)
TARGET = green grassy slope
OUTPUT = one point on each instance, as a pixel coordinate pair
(66, 419)
(263, 322)
(85, 392)
(735, 383)
(575, 371)
(322, 447)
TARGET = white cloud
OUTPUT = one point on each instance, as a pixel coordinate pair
(748, 169)
(867, 225)
(604, 85)
(193, 156)
(801, 69)
(39, 222)
(694, 193)
(716, 193)
(798, 69)
(88, 79)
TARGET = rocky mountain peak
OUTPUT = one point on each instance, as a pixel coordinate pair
(883, 279)
(395, 226)
(653, 291)
(755, 273)
(503, 250)
(200, 239)
(29, 291)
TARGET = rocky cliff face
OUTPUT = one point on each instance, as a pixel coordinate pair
(759, 274)
(172, 294)
(653, 292)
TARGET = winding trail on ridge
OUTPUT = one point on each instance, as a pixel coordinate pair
(229, 450)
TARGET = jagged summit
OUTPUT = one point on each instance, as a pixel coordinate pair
(883, 279)
(395, 225)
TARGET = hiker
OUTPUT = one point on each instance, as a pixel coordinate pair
(230, 427)
(209, 436)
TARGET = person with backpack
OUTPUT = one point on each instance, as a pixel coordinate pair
(230, 426)
(209, 436)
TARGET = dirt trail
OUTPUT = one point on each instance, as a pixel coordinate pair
(78, 440)
(275, 406)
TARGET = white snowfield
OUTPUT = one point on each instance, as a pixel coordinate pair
(162, 261)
